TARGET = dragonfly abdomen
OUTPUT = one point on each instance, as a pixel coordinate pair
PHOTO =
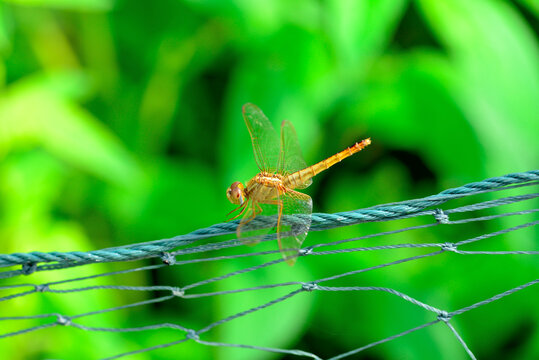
(302, 176)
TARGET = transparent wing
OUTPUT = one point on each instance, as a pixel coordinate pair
(263, 136)
(294, 225)
(291, 158)
(260, 220)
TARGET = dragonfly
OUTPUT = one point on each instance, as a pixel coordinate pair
(273, 191)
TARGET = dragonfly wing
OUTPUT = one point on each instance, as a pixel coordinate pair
(291, 158)
(297, 209)
(263, 136)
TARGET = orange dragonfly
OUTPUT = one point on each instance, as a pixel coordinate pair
(272, 191)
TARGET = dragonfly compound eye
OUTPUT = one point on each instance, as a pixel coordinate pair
(236, 193)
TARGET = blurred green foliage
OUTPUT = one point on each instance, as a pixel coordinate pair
(120, 122)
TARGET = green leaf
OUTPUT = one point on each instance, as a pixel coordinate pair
(496, 58)
(360, 29)
(34, 113)
(176, 198)
(409, 104)
(4, 40)
(533, 5)
(2, 74)
(84, 5)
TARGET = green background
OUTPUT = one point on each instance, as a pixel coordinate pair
(120, 122)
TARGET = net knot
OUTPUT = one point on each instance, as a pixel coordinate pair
(176, 291)
(309, 286)
(441, 217)
(192, 334)
(42, 287)
(168, 258)
(443, 316)
(63, 320)
(449, 246)
(305, 251)
(28, 268)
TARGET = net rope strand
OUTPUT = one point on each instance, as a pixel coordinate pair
(161, 248)
(319, 222)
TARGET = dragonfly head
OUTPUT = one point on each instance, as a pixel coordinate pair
(236, 193)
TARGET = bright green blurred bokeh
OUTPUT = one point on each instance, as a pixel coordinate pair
(120, 122)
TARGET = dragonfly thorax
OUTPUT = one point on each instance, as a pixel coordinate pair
(269, 179)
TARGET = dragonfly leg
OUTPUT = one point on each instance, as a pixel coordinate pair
(280, 207)
(279, 204)
(242, 207)
(258, 209)
(254, 206)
